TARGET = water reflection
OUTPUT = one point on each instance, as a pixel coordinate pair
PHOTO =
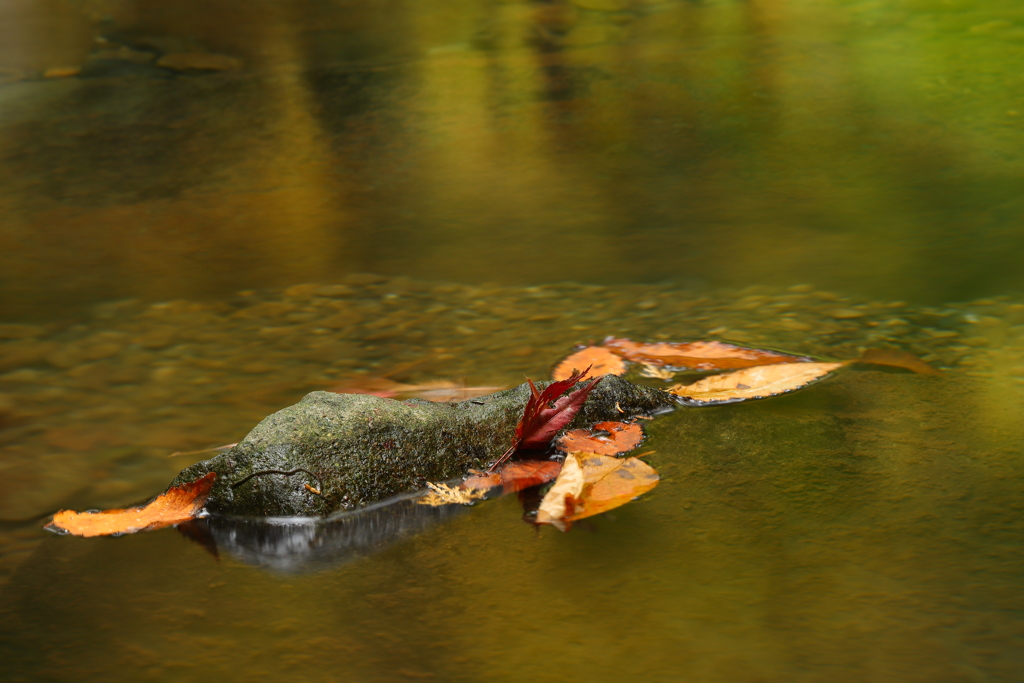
(860, 528)
(291, 546)
(722, 143)
(868, 530)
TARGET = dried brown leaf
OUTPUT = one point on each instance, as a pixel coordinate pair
(442, 494)
(176, 505)
(756, 382)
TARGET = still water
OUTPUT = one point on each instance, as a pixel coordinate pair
(209, 209)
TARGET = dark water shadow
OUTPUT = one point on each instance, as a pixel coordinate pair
(299, 545)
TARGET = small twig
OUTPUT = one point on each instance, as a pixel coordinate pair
(287, 474)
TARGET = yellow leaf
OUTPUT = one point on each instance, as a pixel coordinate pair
(567, 488)
(756, 382)
(594, 484)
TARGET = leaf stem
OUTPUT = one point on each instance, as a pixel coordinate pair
(505, 456)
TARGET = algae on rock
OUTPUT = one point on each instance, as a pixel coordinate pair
(356, 449)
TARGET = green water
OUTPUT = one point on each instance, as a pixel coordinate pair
(463, 191)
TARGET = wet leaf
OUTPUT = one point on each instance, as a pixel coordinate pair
(606, 438)
(178, 504)
(439, 391)
(756, 382)
(590, 484)
(897, 359)
(654, 372)
(548, 412)
(444, 392)
(560, 500)
(600, 360)
(698, 355)
(515, 476)
(373, 386)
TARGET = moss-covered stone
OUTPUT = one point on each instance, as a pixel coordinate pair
(363, 448)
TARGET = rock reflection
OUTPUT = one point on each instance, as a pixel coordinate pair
(288, 545)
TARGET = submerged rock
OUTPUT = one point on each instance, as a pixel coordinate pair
(343, 451)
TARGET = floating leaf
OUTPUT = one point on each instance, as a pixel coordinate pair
(444, 392)
(590, 484)
(699, 355)
(606, 438)
(897, 359)
(560, 500)
(654, 372)
(547, 412)
(757, 382)
(515, 476)
(439, 391)
(600, 360)
(178, 504)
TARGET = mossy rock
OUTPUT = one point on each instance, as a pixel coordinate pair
(357, 449)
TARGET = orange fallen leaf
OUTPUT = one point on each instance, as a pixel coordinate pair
(600, 360)
(444, 392)
(617, 437)
(698, 355)
(374, 386)
(439, 391)
(515, 476)
(897, 359)
(590, 484)
(756, 382)
(178, 504)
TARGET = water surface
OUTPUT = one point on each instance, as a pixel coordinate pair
(463, 191)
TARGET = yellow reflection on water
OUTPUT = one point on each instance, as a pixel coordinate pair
(864, 148)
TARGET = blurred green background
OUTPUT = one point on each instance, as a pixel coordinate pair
(873, 147)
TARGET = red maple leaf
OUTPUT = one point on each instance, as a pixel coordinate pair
(547, 412)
